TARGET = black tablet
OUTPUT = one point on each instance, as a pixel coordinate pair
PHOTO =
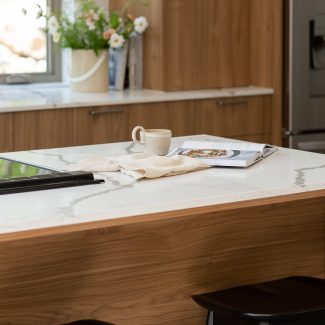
(16, 176)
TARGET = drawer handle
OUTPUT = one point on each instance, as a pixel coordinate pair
(233, 102)
(106, 111)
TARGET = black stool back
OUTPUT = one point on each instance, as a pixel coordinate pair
(88, 322)
(293, 300)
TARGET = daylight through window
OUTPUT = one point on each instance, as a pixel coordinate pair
(24, 47)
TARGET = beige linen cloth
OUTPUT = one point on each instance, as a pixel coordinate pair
(140, 165)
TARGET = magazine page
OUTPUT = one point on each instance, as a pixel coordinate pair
(263, 149)
(220, 157)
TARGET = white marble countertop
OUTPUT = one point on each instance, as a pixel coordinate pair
(15, 98)
(287, 171)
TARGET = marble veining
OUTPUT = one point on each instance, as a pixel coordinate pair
(58, 156)
(287, 171)
(15, 98)
(300, 178)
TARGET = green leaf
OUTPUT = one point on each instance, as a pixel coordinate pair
(114, 20)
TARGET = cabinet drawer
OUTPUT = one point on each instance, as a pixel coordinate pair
(231, 117)
(42, 129)
(100, 125)
(177, 116)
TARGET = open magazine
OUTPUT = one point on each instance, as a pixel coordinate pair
(229, 154)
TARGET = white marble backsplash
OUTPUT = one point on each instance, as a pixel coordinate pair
(15, 98)
(286, 171)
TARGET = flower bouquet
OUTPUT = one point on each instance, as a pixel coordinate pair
(89, 32)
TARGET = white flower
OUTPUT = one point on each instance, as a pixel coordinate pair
(93, 14)
(116, 41)
(140, 24)
(90, 24)
(53, 25)
(56, 37)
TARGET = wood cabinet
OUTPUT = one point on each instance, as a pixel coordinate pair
(234, 117)
(100, 125)
(177, 116)
(247, 118)
(202, 44)
(68, 127)
(6, 132)
(42, 129)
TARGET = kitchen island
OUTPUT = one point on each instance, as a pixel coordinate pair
(133, 252)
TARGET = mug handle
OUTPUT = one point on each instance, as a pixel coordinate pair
(134, 134)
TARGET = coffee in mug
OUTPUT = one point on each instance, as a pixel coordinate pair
(155, 141)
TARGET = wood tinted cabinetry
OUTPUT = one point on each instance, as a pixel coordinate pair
(203, 44)
(176, 116)
(100, 125)
(247, 118)
(195, 44)
(6, 132)
(68, 127)
(43, 129)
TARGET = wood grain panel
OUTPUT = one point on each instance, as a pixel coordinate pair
(221, 64)
(83, 126)
(6, 132)
(150, 116)
(142, 271)
(195, 44)
(177, 116)
(266, 55)
(232, 117)
(108, 124)
(42, 129)
(202, 40)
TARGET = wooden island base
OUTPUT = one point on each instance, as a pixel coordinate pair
(143, 270)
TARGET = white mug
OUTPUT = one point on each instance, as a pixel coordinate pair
(155, 141)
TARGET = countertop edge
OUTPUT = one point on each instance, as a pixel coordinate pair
(160, 216)
(129, 97)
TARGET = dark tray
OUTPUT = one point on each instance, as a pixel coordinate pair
(16, 177)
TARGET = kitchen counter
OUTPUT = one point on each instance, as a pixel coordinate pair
(133, 252)
(40, 97)
(285, 172)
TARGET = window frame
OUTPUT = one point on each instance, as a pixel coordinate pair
(54, 61)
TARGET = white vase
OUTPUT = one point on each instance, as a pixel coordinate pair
(88, 71)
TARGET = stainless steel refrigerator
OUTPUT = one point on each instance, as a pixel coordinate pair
(305, 75)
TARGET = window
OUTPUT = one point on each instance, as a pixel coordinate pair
(26, 52)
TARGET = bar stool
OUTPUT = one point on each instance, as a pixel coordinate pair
(295, 300)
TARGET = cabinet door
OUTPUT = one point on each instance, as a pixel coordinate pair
(234, 117)
(100, 125)
(177, 116)
(202, 42)
(42, 129)
(5, 132)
